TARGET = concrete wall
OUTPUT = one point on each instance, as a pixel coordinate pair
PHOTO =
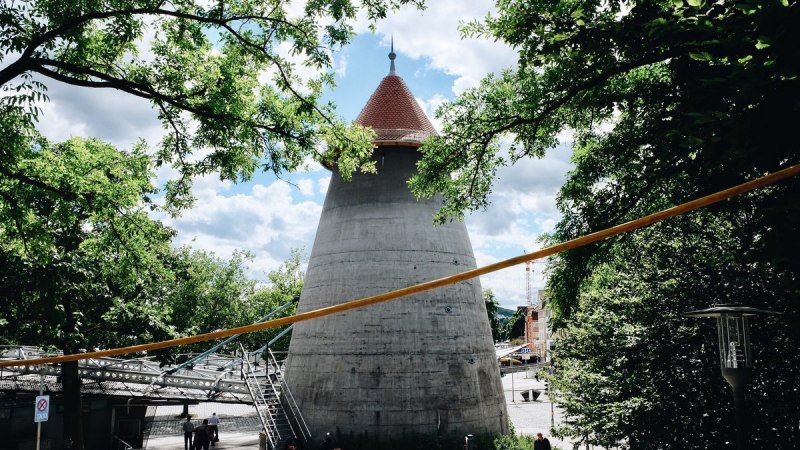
(423, 364)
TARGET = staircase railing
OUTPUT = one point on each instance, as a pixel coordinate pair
(260, 403)
(287, 399)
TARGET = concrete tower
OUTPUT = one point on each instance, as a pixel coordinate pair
(422, 364)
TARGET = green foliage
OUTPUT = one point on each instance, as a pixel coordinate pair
(513, 442)
(515, 326)
(219, 74)
(210, 293)
(491, 310)
(79, 255)
(692, 85)
(633, 371)
(667, 101)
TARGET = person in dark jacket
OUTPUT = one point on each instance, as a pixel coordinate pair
(327, 443)
(203, 436)
(188, 429)
(541, 443)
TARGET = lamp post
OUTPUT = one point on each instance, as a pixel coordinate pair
(736, 363)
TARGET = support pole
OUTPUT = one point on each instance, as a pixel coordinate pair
(738, 378)
(739, 406)
(39, 424)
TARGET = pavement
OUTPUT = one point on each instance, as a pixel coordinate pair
(531, 417)
(528, 418)
(235, 439)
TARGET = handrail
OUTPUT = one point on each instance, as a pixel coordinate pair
(127, 446)
(290, 401)
(270, 428)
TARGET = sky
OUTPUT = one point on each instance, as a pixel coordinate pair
(270, 217)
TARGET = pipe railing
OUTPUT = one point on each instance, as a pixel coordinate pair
(288, 400)
(267, 421)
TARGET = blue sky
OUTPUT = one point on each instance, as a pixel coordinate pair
(270, 217)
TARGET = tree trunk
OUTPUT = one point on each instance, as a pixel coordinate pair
(73, 421)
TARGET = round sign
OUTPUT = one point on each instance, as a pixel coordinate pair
(41, 405)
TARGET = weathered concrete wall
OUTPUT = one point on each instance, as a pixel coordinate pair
(423, 364)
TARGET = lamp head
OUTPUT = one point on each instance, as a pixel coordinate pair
(733, 332)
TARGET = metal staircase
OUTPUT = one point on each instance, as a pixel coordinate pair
(272, 399)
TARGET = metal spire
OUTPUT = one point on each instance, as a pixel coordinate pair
(392, 56)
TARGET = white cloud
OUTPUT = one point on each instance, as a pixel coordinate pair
(265, 221)
(522, 209)
(340, 64)
(322, 184)
(306, 186)
(430, 105)
(116, 117)
(433, 34)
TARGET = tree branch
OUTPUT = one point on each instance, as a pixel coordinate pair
(67, 195)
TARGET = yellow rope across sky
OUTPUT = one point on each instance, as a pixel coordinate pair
(428, 285)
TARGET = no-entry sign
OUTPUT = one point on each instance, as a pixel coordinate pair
(42, 408)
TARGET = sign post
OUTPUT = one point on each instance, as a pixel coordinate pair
(41, 411)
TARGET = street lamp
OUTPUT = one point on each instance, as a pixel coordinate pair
(736, 362)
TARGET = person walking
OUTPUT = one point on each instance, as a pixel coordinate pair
(213, 423)
(188, 429)
(202, 436)
(327, 443)
(541, 443)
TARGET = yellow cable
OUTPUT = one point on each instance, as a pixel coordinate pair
(428, 285)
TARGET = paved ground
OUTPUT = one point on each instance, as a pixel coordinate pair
(531, 417)
(227, 441)
(528, 418)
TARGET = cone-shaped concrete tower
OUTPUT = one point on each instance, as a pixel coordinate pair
(423, 364)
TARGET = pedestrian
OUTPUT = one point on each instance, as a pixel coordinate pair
(188, 429)
(213, 423)
(541, 443)
(202, 436)
(327, 443)
(291, 443)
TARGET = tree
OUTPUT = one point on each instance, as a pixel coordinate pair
(666, 101)
(80, 260)
(491, 310)
(209, 293)
(515, 326)
(633, 372)
(692, 83)
(83, 266)
(201, 72)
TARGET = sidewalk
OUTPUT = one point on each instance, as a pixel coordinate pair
(531, 417)
(528, 418)
(235, 439)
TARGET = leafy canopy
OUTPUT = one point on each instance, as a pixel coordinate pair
(219, 74)
(81, 261)
(707, 77)
(665, 101)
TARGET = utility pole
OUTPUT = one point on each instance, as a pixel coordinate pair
(39, 424)
(529, 313)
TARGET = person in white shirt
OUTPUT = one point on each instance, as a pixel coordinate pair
(213, 423)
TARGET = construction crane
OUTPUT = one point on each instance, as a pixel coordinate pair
(529, 335)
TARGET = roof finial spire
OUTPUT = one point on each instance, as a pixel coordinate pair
(392, 56)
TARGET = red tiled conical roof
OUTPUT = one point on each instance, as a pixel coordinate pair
(395, 115)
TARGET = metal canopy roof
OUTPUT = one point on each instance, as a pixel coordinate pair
(216, 378)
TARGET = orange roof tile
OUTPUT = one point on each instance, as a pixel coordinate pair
(395, 115)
